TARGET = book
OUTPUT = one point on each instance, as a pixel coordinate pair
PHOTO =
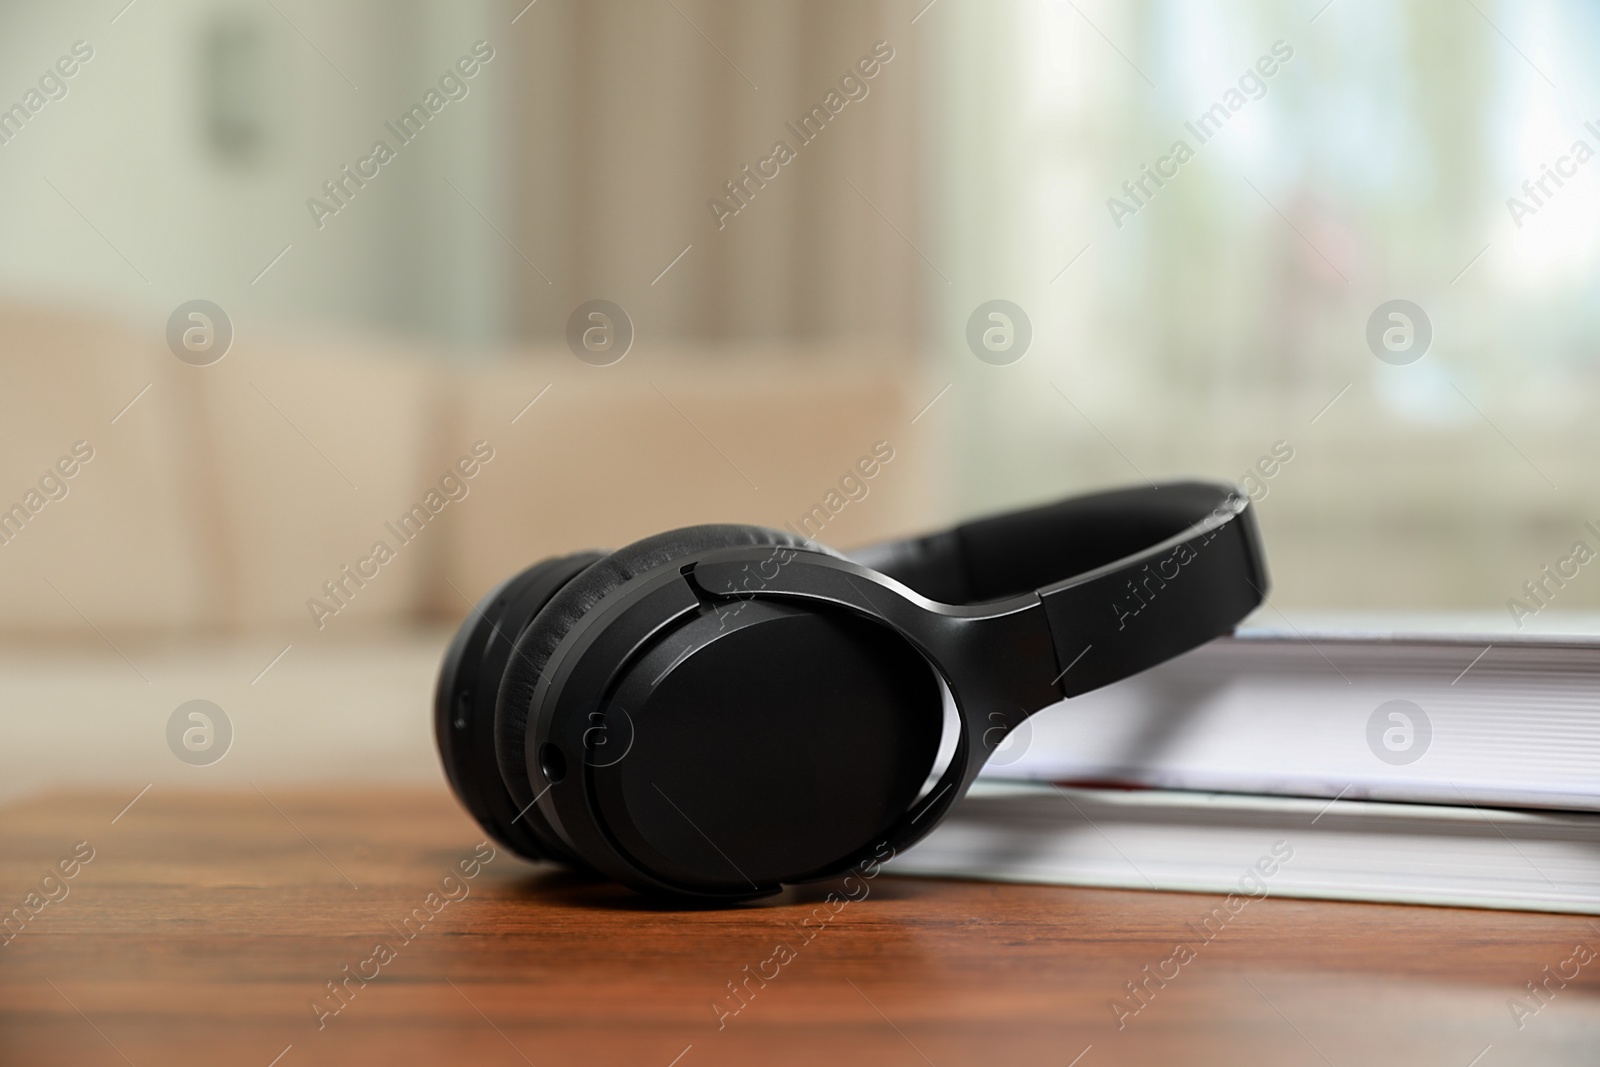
(1421, 713)
(1251, 847)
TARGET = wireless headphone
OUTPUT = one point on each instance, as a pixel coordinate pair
(715, 711)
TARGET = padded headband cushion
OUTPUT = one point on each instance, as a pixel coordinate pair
(580, 596)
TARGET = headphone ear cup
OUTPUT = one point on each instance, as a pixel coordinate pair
(464, 703)
(575, 600)
(763, 747)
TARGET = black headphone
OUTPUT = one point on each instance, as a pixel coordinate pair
(718, 710)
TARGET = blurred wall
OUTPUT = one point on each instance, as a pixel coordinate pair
(181, 160)
(579, 163)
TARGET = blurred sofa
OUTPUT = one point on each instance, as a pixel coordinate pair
(226, 498)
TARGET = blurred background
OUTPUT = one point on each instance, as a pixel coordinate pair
(374, 315)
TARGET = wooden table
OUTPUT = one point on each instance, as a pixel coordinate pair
(206, 925)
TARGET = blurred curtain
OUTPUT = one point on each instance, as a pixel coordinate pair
(632, 114)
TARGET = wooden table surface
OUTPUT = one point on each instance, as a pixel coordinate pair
(207, 925)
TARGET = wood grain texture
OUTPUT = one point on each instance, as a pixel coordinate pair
(206, 924)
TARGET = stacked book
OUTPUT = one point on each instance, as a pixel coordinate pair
(1422, 761)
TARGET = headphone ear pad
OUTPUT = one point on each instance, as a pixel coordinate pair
(464, 702)
(575, 600)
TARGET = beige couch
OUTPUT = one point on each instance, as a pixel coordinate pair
(226, 496)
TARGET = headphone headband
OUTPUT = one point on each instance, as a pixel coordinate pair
(1128, 577)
